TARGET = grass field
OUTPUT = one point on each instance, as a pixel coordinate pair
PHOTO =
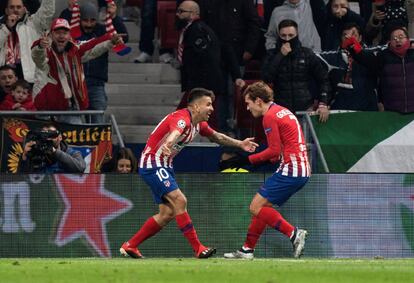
(211, 270)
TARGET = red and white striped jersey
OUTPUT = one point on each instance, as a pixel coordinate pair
(285, 141)
(179, 120)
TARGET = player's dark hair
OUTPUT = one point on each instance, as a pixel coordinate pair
(23, 84)
(287, 23)
(197, 93)
(8, 67)
(259, 90)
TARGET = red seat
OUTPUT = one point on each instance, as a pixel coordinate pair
(168, 35)
(246, 123)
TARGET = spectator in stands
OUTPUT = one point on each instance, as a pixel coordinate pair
(60, 82)
(237, 26)
(96, 70)
(123, 162)
(301, 12)
(385, 14)
(198, 52)
(395, 68)
(126, 161)
(146, 45)
(291, 67)
(7, 79)
(18, 31)
(354, 85)
(20, 98)
(46, 152)
(338, 15)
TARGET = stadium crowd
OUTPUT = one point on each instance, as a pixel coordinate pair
(316, 55)
(284, 56)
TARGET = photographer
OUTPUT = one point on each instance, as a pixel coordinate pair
(46, 152)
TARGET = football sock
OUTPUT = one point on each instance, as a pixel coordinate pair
(274, 219)
(256, 229)
(186, 226)
(149, 229)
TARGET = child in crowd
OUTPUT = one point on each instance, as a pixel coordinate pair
(20, 98)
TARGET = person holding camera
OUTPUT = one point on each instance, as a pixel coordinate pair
(46, 152)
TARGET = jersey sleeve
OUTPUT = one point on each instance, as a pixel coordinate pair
(178, 122)
(272, 152)
(205, 129)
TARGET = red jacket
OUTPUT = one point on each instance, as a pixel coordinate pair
(8, 103)
(51, 96)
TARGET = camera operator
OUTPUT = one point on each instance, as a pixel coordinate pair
(46, 152)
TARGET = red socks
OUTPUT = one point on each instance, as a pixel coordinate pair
(149, 229)
(274, 219)
(186, 226)
(254, 232)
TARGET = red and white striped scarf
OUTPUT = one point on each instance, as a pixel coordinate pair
(13, 49)
(75, 30)
(180, 48)
(71, 77)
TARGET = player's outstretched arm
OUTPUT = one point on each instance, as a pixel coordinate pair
(166, 147)
(247, 144)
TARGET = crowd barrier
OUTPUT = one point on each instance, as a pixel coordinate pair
(347, 215)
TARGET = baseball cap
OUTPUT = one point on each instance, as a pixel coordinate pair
(59, 23)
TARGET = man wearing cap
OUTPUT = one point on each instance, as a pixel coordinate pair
(60, 80)
(18, 31)
(96, 71)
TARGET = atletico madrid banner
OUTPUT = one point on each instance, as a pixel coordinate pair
(93, 141)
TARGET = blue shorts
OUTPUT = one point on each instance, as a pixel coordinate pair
(278, 188)
(161, 181)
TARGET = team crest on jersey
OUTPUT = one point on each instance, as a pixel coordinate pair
(181, 124)
(167, 183)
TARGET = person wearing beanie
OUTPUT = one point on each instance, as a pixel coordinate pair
(96, 70)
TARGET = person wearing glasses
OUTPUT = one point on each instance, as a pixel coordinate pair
(395, 68)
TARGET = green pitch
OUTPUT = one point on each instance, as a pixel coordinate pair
(211, 270)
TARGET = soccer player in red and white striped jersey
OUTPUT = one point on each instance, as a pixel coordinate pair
(166, 141)
(286, 144)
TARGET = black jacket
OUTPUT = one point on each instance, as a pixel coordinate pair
(292, 75)
(363, 96)
(201, 59)
(235, 22)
